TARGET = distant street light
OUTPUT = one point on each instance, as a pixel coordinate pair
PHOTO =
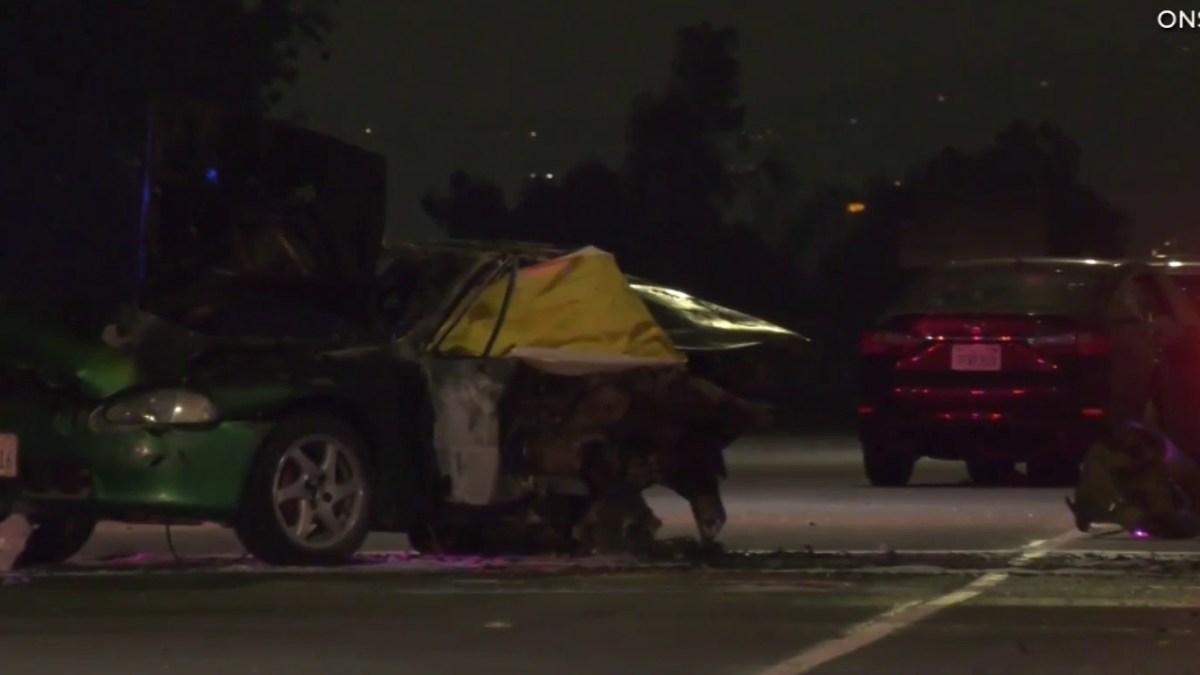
(856, 207)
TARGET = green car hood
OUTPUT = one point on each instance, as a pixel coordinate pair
(50, 339)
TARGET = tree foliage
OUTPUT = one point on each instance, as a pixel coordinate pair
(1031, 174)
(663, 212)
(80, 75)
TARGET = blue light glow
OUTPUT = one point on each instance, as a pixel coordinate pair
(212, 175)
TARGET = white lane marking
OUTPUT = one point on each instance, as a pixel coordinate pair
(1040, 547)
(909, 614)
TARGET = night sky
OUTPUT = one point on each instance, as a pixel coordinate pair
(848, 88)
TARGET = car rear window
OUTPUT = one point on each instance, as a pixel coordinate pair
(1067, 289)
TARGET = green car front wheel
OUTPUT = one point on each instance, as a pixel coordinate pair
(309, 494)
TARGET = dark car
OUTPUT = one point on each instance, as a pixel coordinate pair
(997, 362)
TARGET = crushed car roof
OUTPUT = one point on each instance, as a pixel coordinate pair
(694, 324)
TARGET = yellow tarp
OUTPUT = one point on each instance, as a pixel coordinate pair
(575, 313)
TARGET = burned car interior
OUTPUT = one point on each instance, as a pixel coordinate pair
(237, 208)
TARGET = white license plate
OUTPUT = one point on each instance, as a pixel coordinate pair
(8, 455)
(975, 357)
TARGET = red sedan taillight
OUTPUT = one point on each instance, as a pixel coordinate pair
(879, 343)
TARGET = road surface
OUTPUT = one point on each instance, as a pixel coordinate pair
(940, 577)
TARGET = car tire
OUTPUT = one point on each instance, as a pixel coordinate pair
(55, 540)
(886, 466)
(309, 496)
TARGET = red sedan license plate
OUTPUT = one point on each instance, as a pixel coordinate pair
(975, 357)
(8, 455)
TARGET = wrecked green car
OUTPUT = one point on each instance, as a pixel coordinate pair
(158, 425)
(286, 376)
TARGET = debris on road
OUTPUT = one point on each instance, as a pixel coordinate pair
(1142, 481)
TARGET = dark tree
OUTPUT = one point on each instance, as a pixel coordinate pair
(594, 208)
(821, 225)
(1025, 186)
(672, 138)
(80, 76)
(664, 210)
(678, 179)
(1083, 223)
(472, 209)
(770, 192)
(680, 148)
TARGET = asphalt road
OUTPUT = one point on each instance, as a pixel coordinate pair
(940, 577)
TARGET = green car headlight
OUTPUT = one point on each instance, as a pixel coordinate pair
(163, 407)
